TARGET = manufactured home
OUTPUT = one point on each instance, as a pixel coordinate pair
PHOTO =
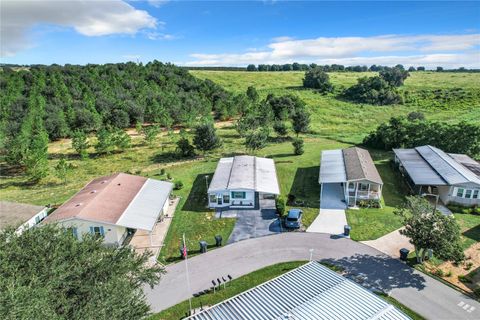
(240, 181)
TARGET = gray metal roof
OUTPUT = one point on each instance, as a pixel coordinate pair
(332, 167)
(144, 210)
(245, 173)
(311, 291)
(450, 170)
(418, 169)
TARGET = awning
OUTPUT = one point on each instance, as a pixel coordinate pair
(332, 167)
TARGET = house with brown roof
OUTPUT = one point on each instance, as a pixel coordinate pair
(352, 174)
(112, 206)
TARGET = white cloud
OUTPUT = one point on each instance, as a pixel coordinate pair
(427, 50)
(89, 18)
(160, 36)
(157, 3)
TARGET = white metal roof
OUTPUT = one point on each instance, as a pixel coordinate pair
(144, 210)
(311, 291)
(245, 173)
(332, 167)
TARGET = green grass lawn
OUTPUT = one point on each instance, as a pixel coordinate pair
(470, 228)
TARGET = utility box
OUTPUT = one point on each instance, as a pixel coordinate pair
(203, 246)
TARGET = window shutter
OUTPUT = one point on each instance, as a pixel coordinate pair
(102, 232)
(454, 193)
(92, 231)
(75, 234)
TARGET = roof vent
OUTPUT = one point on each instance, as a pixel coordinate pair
(93, 191)
(118, 184)
(103, 181)
(78, 205)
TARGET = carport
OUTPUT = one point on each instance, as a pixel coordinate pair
(332, 179)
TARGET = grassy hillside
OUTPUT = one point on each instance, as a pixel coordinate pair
(441, 96)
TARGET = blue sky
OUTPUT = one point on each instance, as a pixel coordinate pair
(239, 32)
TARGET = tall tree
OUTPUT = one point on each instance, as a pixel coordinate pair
(300, 121)
(87, 279)
(317, 79)
(206, 138)
(105, 142)
(429, 229)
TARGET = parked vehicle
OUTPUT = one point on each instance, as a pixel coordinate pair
(294, 218)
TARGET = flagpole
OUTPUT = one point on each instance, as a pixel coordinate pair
(188, 278)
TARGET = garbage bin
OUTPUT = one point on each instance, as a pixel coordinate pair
(346, 230)
(203, 246)
(218, 240)
(404, 254)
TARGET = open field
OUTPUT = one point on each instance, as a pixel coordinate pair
(335, 124)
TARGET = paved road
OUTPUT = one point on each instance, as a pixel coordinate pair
(364, 264)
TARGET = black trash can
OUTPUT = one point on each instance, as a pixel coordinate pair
(404, 254)
(346, 230)
(218, 240)
(203, 246)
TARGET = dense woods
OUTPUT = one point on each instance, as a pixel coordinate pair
(414, 131)
(44, 103)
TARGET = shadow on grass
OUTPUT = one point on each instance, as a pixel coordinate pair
(166, 157)
(473, 233)
(381, 273)
(305, 186)
(197, 198)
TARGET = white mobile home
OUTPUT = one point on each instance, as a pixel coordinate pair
(239, 181)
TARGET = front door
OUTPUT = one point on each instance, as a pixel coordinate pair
(219, 200)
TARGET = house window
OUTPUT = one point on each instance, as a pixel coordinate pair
(362, 186)
(475, 194)
(226, 198)
(213, 198)
(98, 231)
(468, 193)
(37, 219)
(351, 186)
(238, 194)
(460, 192)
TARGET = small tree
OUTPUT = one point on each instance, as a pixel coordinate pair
(139, 127)
(256, 140)
(252, 93)
(280, 128)
(430, 230)
(206, 138)
(105, 142)
(300, 121)
(62, 169)
(298, 146)
(80, 143)
(280, 206)
(317, 79)
(121, 140)
(184, 148)
(251, 67)
(394, 76)
(151, 133)
(36, 161)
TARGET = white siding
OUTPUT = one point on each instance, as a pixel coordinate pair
(33, 221)
(112, 234)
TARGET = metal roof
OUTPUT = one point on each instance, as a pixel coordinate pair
(332, 167)
(13, 213)
(245, 173)
(311, 291)
(449, 169)
(417, 168)
(143, 211)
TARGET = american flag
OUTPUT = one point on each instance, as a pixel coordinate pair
(184, 250)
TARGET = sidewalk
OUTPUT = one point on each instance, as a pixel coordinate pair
(390, 244)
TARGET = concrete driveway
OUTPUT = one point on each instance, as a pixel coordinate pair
(391, 243)
(253, 223)
(365, 265)
(331, 218)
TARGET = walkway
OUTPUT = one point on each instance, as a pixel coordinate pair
(419, 292)
(253, 223)
(390, 243)
(331, 218)
(141, 240)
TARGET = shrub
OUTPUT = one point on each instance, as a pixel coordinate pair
(184, 148)
(280, 206)
(291, 198)
(449, 273)
(464, 279)
(162, 171)
(298, 146)
(373, 90)
(169, 176)
(439, 273)
(317, 79)
(178, 185)
(468, 265)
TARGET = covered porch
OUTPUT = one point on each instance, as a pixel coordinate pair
(365, 190)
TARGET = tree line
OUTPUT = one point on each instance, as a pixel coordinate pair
(340, 68)
(415, 130)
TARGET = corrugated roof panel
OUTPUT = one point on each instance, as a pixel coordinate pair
(243, 173)
(266, 176)
(418, 169)
(311, 291)
(222, 175)
(332, 167)
(142, 213)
